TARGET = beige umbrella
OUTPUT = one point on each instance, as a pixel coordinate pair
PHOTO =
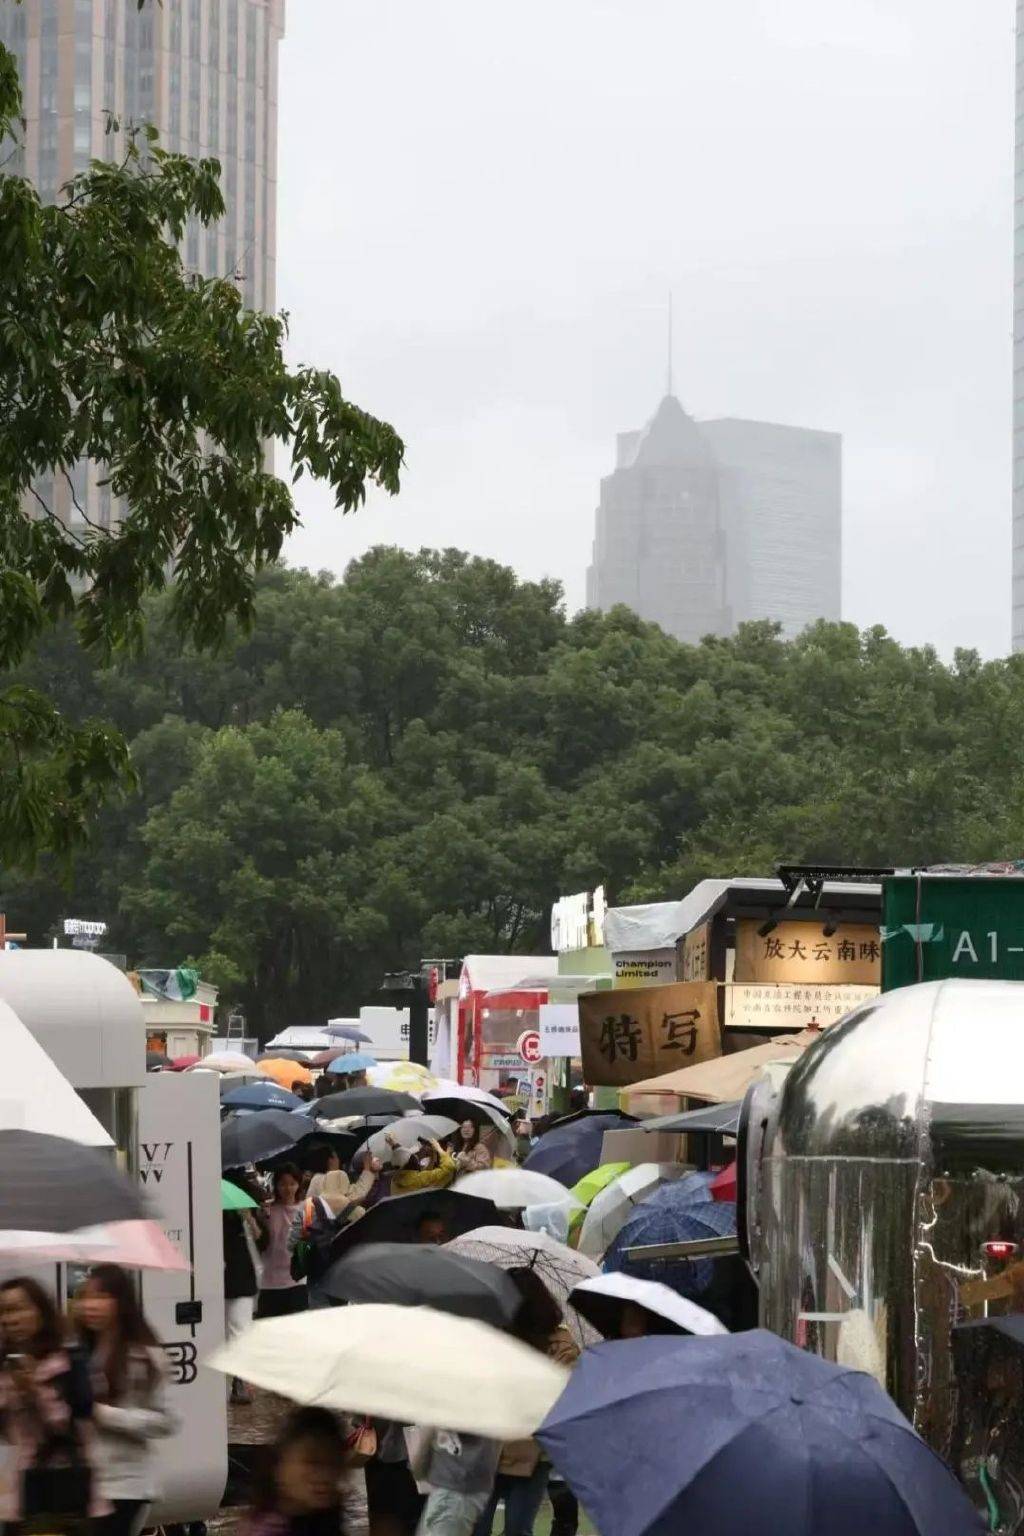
(409, 1364)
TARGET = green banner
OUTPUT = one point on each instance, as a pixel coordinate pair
(936, 926)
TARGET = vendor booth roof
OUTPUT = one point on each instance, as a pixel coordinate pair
(663, 923)
(38, 1097)
(726, 1077)
(503, 973)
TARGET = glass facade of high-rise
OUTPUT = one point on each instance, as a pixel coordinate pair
(204, 72)
(1018, 346)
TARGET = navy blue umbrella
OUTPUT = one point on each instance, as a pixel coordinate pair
(572, 1147)
(264, 1095)
(743, 1434)
(679, 1212)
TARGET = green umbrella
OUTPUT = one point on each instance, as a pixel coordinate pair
(234, 1199)
(592, 1184)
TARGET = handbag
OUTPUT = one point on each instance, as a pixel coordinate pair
(361, 1444)
(56, 1490)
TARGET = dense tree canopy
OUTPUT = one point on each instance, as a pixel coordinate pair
(113, 354)
(418, 759)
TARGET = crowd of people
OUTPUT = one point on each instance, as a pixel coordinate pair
(82, 1401)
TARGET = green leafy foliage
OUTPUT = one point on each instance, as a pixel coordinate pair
(418, 759)
(111, 352)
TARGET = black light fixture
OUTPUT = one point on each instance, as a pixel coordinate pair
(766, 927)
(830, 924)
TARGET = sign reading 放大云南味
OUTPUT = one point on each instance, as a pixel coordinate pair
(803, 952)
(630, 1034)
(942, 926)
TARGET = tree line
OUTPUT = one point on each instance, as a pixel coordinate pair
(418, 759)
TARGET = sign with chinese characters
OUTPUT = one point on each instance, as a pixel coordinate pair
(644, 967)
(640, 1032)
(559, 1029)
(802, 952)
(770, 1006)
(697, 954)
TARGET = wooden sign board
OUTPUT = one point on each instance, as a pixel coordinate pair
(630, 1034)
(800, 952)
(697, 954)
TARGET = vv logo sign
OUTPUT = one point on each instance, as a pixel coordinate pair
(154, 1157)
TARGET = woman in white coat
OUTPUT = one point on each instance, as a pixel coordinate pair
(129, 1400)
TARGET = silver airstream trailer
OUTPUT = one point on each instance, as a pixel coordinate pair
(885, 1219)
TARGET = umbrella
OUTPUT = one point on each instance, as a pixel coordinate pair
(229, 1081)
(261, 1096)
(559, 1267)
(610, 1209)
(591, 1184)
(284, 1053)
(398, 1218)
(744, 1433)
(480, 1114)
(465, 1104)
(183, 1063)
(513, 1189)
(226, 1061)
(255, 1138)
(667, 1217)
(362, 1102)
(721, 1119)
(234, 1199)
(448, 1088)
(283, 1071)
(322, 1059)
(723, 1185)
(49, 1184)
(423, 1275)
(402, 1077)
(408, 1132)
(156, 1061)
(132, 1244)
(601, 1301)
(351, 1061)
(347, 1032)
(572, 1147)
(408, 1364)
(299, 1037)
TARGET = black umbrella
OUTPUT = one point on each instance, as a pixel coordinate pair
(287, 1054)
(363, 1101)
(434, 1215)
(572, 1147)
(255, 1138)
(49, 1184)
(423, 1275)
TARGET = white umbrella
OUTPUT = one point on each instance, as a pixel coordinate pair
(448, 1089)
(601, 1300)
(408, 1132)
(559, 1267)
(512, 1189)
(132, 1244)
(408, 1364)
(301, 1037)
(610, 1208)
(225, 1061)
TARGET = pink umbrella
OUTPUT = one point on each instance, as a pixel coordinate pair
(135, 1244)
(182, 1063)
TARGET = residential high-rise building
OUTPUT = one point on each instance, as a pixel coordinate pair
(704, 525)
(204, 73)
(1018, 346)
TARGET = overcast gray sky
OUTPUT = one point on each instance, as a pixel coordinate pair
(483, 204)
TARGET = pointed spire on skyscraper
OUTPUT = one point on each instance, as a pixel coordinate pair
(668, 372)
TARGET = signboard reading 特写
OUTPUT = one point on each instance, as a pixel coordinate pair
(635, 1033)
(802, 952)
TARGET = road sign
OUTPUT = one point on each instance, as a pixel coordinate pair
(528, 1046)
(946, 925)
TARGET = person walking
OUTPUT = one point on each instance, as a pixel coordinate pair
(280, 1293)
(299, 1489)
(45, 1408)
(332, 1203)
(243, 1231)
(523, 1473)
(126, 1367)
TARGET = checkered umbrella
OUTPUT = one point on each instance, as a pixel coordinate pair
(560, 1268)
(49, 1184)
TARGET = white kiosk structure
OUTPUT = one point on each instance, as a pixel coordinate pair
(89, 1020)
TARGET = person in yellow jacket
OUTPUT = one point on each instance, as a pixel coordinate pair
(427, 1166)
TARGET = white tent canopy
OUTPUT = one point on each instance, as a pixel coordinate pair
(34, 1095)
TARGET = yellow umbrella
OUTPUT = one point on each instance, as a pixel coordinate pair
(283, 1072)
(402, 1077)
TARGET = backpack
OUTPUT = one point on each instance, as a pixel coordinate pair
(311, 1255)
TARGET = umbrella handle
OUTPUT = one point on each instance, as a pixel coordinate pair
(994, 1517)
